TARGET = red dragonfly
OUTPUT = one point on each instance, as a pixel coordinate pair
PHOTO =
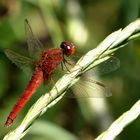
(45, 66)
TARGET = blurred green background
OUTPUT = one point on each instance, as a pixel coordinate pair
(85, 23)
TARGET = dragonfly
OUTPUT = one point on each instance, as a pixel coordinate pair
(44, 67)
(45, 62)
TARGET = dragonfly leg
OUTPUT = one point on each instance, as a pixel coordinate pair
(54, 84)
(63, 64)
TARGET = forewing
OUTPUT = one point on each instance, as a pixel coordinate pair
(108, 66)
(34, 45)
(105, 67)
(22, 62)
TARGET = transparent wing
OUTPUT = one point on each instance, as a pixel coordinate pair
(87, 88)
(25, 63)
(34, 45)
(90, 88)
(105, 67)
(108, 66)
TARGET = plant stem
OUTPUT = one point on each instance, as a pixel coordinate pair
(118, 125)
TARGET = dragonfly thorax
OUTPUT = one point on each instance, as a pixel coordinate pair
(50, 59)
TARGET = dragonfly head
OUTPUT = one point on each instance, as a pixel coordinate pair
(68, 48)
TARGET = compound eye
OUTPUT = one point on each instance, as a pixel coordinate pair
(63, 45)
(68, 48)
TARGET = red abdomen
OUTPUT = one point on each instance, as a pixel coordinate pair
(35, 81)
(44, 68)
